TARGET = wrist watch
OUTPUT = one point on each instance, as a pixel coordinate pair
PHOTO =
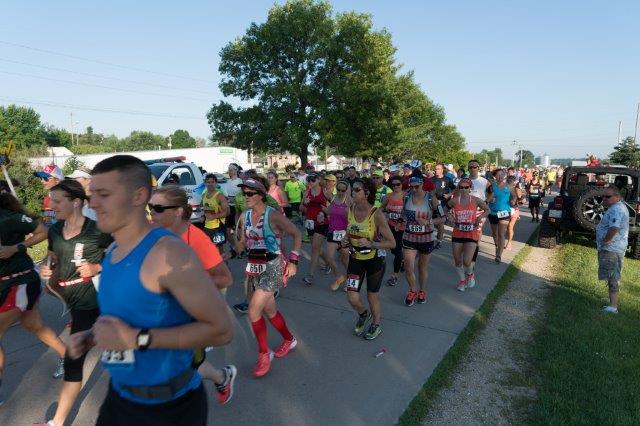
(21, 248)
(143, 339)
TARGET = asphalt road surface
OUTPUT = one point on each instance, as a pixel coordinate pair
(332, 377)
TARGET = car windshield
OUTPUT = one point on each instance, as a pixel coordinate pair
(158, 169)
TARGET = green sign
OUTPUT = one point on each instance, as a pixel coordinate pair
(226, 151)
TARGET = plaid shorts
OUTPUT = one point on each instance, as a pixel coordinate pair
(610, 266)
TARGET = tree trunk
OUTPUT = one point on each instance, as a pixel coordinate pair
(304, 157)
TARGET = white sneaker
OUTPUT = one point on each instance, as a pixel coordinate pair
(610, 310)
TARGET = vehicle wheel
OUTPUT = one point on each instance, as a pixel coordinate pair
(547, 237)
(635, 246)
(588, 209)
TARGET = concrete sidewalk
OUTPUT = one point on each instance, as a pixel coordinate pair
(332, 377)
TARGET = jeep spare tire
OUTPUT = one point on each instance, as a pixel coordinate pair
(588, 208)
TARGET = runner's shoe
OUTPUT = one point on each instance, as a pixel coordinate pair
(462, 284)
(59, 372)
(437, 245)
(308, 280)
(264, 364)
(49, 423)
(225, 390)
(422, 297)
(373, 332)
(285, 347)
(410, 299)
(392, 281)
(363, 319)
(243, 307)
(327, 270)
(610, 310)
(471, 280)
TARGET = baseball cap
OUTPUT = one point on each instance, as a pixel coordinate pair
(378, 173)
(415, 179)
(50, 170)
(407, 166)
(253, 184)
(79, 173)
(450, 167)
(415, 164)
(394, 168)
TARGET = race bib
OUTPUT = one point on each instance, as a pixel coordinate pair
(309, 224)
(353, 282)
(534, 191)
(503, 214)
(465, 227)
(218, 238)
(118, 358)
(417, 229)
(256, 267)
(394, 216)
(382, 253)
(339, 235)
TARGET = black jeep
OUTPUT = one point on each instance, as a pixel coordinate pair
(578, 207)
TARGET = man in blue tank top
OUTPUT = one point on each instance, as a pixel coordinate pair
(157, 304)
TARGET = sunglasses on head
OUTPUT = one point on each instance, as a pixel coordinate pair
(249, 193)
(160, 208)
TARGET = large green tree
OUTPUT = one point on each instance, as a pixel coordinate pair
(626, 152)
(491, 156)
(305, 78)
(21, 125)
(182, 139)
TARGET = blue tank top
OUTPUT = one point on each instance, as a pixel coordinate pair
(501, 199)
(122, 295)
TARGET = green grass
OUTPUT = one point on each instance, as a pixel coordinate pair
(38, 252)
(588, 362)
(441, 376)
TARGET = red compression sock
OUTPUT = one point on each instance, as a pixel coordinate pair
(279, 323)
(260, 330)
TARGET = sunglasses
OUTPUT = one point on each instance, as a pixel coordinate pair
(311, 180)
(396, 184)
(607, 196)
(342, 190)
(464, 187)
(357, 189)
(159, 208)
(473, 167)
(249, 193)
(415, 186)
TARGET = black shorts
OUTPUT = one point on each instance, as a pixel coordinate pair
(463, 240)
(371, 269)
(494, 220)
(292, 207)
(422, 248)
(22, 295)
(231, 218)
(534, 202)
(188, 410)
(319, 229)
(81, 320)
(217, 236)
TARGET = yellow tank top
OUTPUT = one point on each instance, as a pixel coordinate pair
(365, 229)
(211, 203)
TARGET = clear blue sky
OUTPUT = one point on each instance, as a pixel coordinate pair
(555, 75)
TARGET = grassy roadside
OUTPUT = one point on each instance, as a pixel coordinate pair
(441, 376)
(588, 362)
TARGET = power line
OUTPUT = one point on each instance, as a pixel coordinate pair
(98, 109)
(103, 76)
(111, 64)
(138, 92)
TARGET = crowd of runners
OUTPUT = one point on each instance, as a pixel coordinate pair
(146, 286)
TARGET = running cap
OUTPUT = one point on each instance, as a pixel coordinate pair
(378, 173)
(450, 167)
(79, 173)
(253, 184)
(415, 164)
(50, 171)
(394, 168)
(407, 166)
(415, 179)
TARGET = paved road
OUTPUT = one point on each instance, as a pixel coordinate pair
(332, 376)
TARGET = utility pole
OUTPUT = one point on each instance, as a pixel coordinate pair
(71, 121)
(513, 157)
(619, 132)
(251, 156)
(635, 133)
(169, 144)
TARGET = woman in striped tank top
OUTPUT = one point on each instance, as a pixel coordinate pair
(466, 222)
(392, 205)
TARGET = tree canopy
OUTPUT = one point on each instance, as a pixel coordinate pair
(626, 152)
(308, 78)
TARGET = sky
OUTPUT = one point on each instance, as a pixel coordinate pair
(555, 76)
